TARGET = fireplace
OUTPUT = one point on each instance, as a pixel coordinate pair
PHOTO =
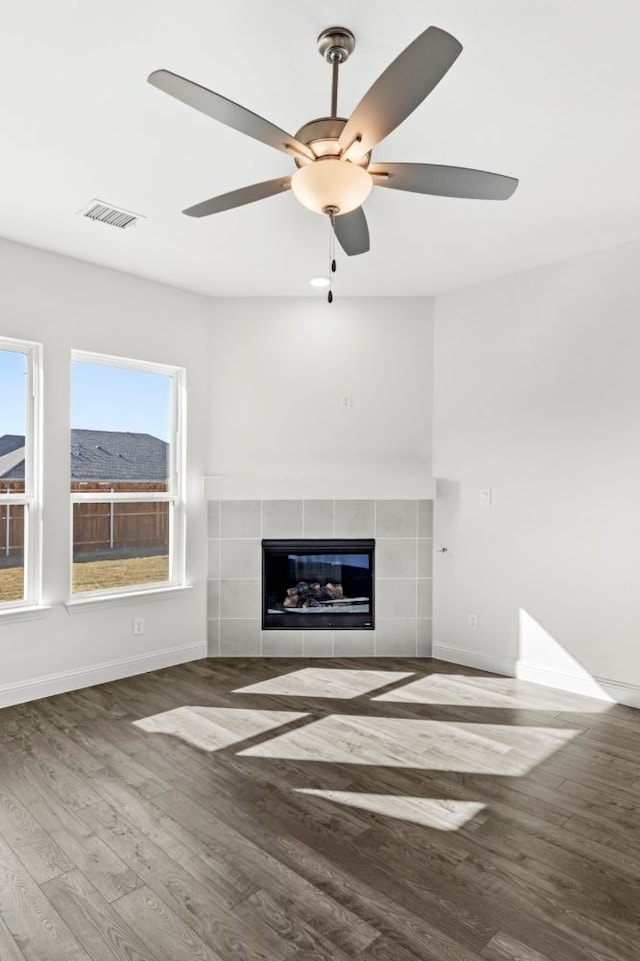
(318, 584)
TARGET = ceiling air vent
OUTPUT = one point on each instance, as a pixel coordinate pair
(106, 214)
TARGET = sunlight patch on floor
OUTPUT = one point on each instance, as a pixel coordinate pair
(439, 813)
(500, 692)
(213, 728)
(325, 682)
(421, 744)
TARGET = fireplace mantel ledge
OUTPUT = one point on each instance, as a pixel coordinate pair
(355, 487)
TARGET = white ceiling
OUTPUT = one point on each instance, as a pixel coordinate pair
(546, 91)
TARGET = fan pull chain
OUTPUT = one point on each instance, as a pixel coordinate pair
(332, 255)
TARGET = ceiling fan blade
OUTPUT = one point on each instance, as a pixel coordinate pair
(401, 88)
(227, 112)
(443, 181)
(237, 198)
(352, 232)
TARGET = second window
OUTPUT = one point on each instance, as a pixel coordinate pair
(126, 474)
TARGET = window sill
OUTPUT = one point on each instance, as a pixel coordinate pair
(26, 613)
(95, 602)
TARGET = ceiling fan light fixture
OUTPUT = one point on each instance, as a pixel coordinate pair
(330, 183)
(333, 154)
(319, 281)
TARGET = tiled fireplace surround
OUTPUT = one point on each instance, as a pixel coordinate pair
(403, 575)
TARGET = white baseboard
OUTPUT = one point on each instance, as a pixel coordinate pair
(478, 659)
(619, 692)
(49, 684)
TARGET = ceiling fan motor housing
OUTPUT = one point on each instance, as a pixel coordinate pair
(322, 136)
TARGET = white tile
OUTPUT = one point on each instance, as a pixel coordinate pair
(240, 558)
(240, 598)
(213, 598)
(396, 518)
(318, 519)
(282, 643)
(213, 518)
(240, 638)
(425, 518)
(395, 558)
(425, 557)
(282, 519)
(318, 644)
(240, 518)
(425, 597)
(355, 518)
(395, 597)
(213, 637)
(396, 637)
(353, 643)
(213, 559)
(425, 645)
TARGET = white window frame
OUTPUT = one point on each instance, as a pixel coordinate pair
(174, 496)
(31, 500)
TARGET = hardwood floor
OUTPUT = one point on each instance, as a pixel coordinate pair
(371, 810)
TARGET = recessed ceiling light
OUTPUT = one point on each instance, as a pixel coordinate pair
(319, 281)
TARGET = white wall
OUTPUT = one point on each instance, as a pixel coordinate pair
(279, 365)
(537, 396)
(65, 304)
(263, 384)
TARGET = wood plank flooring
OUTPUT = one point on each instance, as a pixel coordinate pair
(338, 810)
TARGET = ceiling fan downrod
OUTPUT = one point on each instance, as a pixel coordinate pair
(336, 44)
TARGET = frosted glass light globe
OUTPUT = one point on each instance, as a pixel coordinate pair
(329, 182)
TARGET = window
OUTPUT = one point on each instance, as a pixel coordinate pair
(126, 475)
(20, 488)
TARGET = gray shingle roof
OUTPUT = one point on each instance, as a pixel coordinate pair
(98, 455)
(10, 442)
(12, 463)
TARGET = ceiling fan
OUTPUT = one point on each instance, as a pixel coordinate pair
(334, 173)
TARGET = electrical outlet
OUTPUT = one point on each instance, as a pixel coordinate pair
(472, 622)
(138, 625)
(345, 401)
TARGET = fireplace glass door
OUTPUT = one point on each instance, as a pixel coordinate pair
(317, 584)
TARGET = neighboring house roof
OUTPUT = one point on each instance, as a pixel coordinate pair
(117, 455)
(12, 463)
(10, 442)
(98, 455)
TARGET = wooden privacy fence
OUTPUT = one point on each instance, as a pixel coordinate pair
(120, 526)
(136, 527)
(98, 526)
(11, 530)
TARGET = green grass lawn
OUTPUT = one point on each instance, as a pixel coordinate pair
(11, 584)
(95, 575)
